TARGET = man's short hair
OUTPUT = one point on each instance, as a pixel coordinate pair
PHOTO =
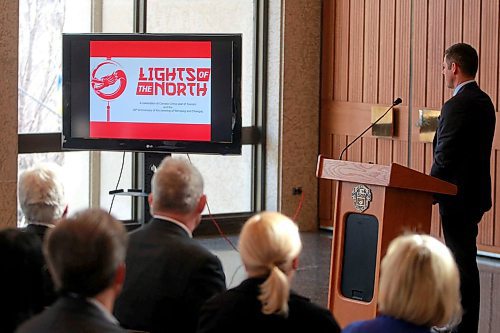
(84, 251)
(176, 186)
(465, 56)
(419, 282)
(41, 193)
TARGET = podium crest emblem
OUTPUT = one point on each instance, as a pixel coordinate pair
(361, 196)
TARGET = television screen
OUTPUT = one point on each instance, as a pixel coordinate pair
(152, 92)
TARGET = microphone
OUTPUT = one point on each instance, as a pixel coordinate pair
(396, 102)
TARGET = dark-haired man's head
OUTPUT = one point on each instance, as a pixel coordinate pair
(86, 253)
(460, 64)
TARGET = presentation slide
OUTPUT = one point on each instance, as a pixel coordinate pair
(150, 90)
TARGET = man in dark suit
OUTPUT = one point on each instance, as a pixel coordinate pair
(86, 257)
(41, 197)
(462, 149)
(169, 275)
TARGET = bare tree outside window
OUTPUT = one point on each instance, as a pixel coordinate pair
(41, 24)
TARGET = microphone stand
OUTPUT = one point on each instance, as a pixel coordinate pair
(396, 102)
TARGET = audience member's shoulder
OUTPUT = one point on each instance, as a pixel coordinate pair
(355, 327)
(318, 314)
(46, 323)
(32, 325)
(231, 299)
(304, 304)
(382, 324)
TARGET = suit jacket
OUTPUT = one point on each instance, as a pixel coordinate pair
(21, 279)
(70, 314)
(384, 324)
(239, 310)
(169, 276)
(37, 229)
(49, 293)
(462, 149)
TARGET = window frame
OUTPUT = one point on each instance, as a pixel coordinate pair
(251, 135)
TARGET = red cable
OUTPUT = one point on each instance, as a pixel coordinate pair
(299, 207)
(214, 222)
(219, 229)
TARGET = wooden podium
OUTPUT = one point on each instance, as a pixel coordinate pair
(374, 204)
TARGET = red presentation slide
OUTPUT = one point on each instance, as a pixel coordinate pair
(150, 90)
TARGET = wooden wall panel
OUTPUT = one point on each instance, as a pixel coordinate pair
(488, 52)
(354, 152)
(369, 150)
(370, 61)
(387, 50)
(428, 157)
(453, 22)
(417, 160)
(353, 118)
(402, 47)
(371, 52)
(400, 152)
(341, 61)
(384, 151)
(453, 32)
(435, 42)
(419, 73)
(471, 27)
(356, 55)
(485, 228)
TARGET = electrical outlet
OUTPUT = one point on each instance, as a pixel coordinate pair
(297, 190)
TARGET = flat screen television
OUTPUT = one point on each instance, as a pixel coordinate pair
(176, 93)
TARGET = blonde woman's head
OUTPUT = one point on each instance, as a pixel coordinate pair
(419, 282)
(269, 247)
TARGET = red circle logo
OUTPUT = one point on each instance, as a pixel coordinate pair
(108, 80)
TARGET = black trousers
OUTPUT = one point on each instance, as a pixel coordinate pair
(460, 233)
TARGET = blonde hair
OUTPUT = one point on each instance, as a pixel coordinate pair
(41, 193)
(176, 186)
(269, 242)
(419, 282)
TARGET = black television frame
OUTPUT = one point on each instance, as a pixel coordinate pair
(70, 142)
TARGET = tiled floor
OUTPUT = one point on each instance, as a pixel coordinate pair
(312, 277)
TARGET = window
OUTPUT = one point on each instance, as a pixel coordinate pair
(230, 180)
(75, 167)
(40, 51)
(39, 98)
